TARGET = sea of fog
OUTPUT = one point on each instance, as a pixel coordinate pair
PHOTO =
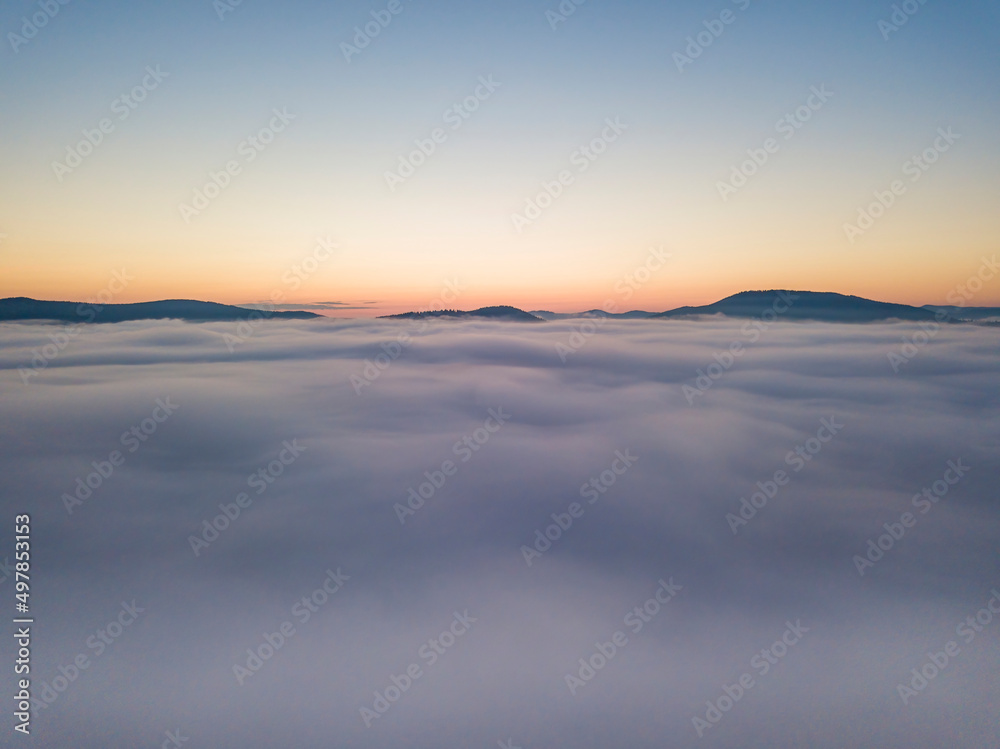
(470, 534)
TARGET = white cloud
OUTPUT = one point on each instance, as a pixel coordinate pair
(665, 517)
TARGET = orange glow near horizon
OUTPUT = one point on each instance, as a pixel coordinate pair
(575, 261)
(373, 303)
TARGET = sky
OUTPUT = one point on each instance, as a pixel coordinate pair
(858, 440)
(502, 203)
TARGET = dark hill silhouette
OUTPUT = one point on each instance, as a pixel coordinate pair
(23, 308)
(502, 312)
(966, 313)
(805, 305)
(635, 314)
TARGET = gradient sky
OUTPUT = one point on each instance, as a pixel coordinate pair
(323, 176)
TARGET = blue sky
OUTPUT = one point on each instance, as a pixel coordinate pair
(355, 120)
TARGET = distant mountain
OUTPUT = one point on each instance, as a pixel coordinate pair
(632, 315)
(23, 308)
(967, 313)
(804, 305)
(801, 305)
(502, 312)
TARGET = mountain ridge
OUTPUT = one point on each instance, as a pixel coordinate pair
(497, 312)
(25, 308)
(822, 306)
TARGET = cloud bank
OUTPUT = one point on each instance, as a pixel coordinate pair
(424, 534)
